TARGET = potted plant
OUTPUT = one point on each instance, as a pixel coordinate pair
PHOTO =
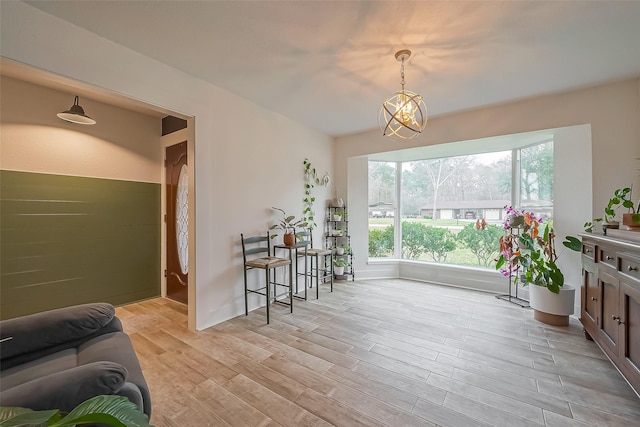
(287, 224)
(338, 232)
(337, 202)
(338, 266)
(620, 198)
(528, 255)
(343, 250)
(632, 217)
(311, 180)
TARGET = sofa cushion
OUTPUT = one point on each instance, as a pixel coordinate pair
(66, 389)
(56, 362)
(49, 329)
(116, 347)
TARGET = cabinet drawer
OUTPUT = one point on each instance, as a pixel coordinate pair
(607, 256)
(588, 250)
(630, 267)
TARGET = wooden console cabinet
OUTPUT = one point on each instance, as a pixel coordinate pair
(610, 300)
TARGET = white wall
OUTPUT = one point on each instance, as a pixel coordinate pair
(247, 158)
(572, 196)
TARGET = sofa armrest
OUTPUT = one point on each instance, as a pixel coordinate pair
(52, 329)
(67, 389)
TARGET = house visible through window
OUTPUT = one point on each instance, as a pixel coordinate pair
(440, 201)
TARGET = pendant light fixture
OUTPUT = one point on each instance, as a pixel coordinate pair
(404, 114)
(76, 114)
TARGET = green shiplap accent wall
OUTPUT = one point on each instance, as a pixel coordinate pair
(68, 240)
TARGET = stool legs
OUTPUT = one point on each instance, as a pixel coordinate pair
(331, 269)
(268, 291)
(246, 293)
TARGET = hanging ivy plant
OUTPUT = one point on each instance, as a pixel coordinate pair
(310, 181)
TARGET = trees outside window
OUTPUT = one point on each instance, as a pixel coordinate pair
(442, 198)
(484, 244)
(536, 179)
(382, 208)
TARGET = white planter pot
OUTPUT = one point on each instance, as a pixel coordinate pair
(339, 271)
(337, 217)
(551, 308)
(339, 251)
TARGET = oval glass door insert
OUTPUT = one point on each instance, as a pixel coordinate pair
(182, 220)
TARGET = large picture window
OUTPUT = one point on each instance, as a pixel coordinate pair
(382, 208)
(440, 201)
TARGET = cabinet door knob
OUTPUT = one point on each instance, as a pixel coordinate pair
(587, 250)
(608, 258)
(594, 299)
(630, 268)
(614, 317)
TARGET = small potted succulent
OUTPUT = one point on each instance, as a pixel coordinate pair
(287, 224)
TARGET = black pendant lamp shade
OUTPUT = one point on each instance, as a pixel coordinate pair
(76, 114)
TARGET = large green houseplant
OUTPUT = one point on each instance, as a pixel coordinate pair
(528, 256)
(527, 251)
(115, 411)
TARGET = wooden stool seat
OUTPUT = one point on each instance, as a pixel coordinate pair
(268, 262)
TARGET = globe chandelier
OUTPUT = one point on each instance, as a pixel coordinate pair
(404, 114)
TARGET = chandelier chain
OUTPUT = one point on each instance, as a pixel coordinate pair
(402, 74)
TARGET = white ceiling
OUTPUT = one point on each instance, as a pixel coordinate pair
(330, 64)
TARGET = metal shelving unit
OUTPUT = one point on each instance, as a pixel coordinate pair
(337, 235)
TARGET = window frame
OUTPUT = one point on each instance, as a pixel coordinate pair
(516, 175)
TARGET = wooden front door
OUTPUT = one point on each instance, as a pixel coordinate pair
(177, 222)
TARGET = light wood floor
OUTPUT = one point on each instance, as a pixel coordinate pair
(373, 353)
